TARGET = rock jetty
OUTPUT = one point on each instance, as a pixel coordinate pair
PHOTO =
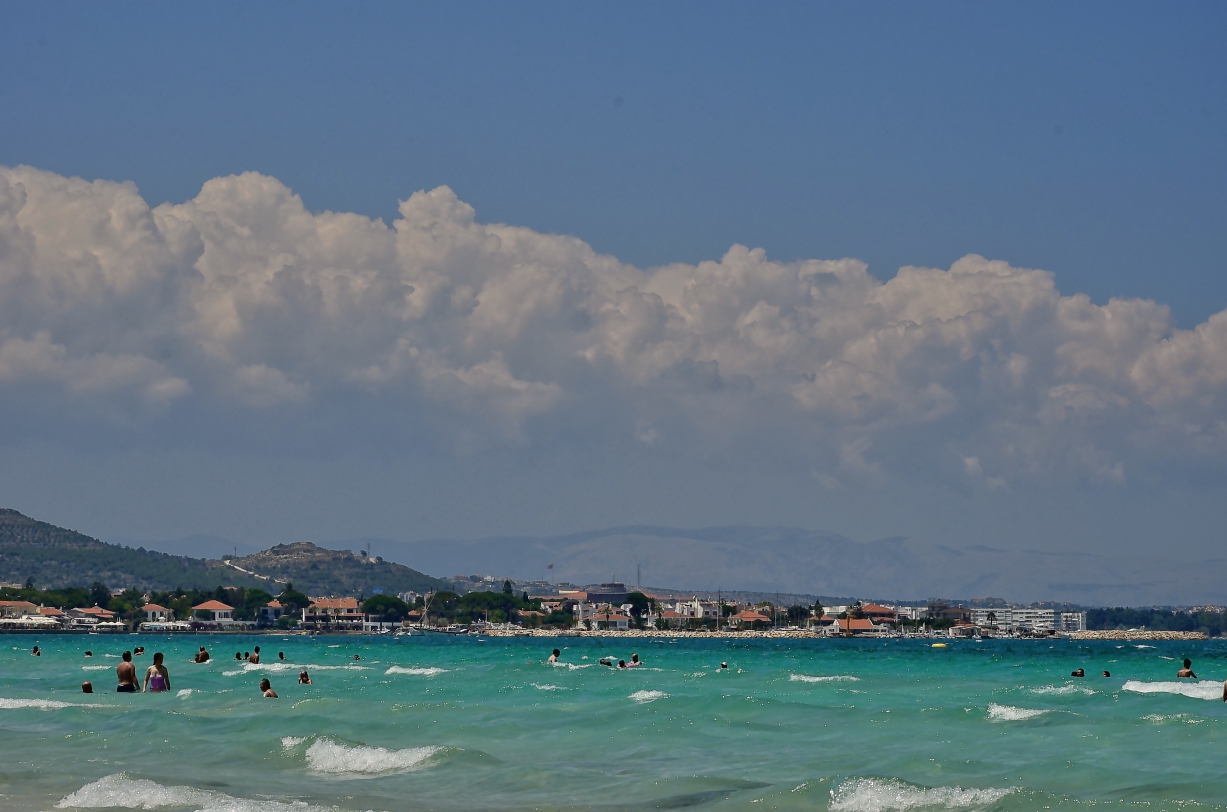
(1133, 634)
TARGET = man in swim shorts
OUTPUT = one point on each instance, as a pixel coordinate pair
(126, 672)
(1187, 671)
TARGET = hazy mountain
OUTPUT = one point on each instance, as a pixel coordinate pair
(803, 561)
(319, 571)
(195, 546)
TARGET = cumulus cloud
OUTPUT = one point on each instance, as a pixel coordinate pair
(243, 299)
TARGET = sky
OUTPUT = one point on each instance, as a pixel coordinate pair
(306, 271)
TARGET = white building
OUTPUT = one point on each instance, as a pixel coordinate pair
(1016, 619)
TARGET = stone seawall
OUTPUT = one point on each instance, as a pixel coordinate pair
(1114, 634)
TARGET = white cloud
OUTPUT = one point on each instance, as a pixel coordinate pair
(241, 294)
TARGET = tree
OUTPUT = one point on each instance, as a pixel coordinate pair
(29, 582)
(818, 609)
(100, 594)
(293, 600)
(507, 590)
(386, 607)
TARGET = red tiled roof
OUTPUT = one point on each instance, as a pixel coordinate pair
(334, 603)
(99, 611)
(751, 616)
(274, 604)
(856, 624)
(214, 606)
(153, 607)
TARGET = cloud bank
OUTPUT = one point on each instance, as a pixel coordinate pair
(241, 302)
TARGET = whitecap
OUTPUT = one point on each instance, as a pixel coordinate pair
(122, 792)
(1205, 689)
(95, 668)
(807, 678)
(548, 687)
(880, 794)
(278, 667)
(290, 742)
(329, 757)
(41, 704)
(416, 671)
(1009, 713)
(571, 666)
(1140, 645)
(1061, 690)
(648, 696)
(1187, 718)
(184, 693)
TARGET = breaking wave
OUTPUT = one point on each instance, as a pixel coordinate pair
(1205, 689)
(879, 795)
(807, 678)
(279, 666)
(416, 671)
(1062, 690)
(548, 687)
(119, 791)
(360, 761)
(648, 696)
(1009, 713)
(41, 704)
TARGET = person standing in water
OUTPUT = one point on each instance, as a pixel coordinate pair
(266, 688)
(1187, 671)
(88, 687)
(553, 658)
(304, 678)
(126, 672)
(36, 652)
(202, 656)
(157, 678)
(254, 657)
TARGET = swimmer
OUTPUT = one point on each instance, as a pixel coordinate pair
(1107, 674)
(607, 662)
(202, 656)
(266, 688)
(247, 655)
(138, 651)
(1187, 671)
(157, 678)
(724, 666)
(254, 657)
(634, 661)
(303, 678)
(553, 658)
(87, 687)
(89, 654)
(356, 657)
(622, 664)
(281, 655)
(238, 655)
(126, 672)
(1081, 672)
(36, 652)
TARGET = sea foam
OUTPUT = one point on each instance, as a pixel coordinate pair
(548, 687)
(416, 671)
(1009, 713)
(278, 666)
(359, 761)
(881, 794)
(1062, 690)
(41, 704)
(807, 678)
(1205, 689)
(122, 792)
(648, 696)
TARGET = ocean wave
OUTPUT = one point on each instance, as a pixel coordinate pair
(417, 671)
(571, 666)
(548, 687)
(120, 791)
(1140, 645)
(648, 696)
(96, 667)
(1205, 689)
(360, 761)
(42, 704)
(184, 693)
(1159, 718)
(278, 667)
(807, 678)
(1061, 690)
(1009, 713)
(881, 794)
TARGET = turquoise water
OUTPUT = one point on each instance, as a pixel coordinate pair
(458, 723)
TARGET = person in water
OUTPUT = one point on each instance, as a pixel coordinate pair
(304, 678)
(36, 652)
(157, 678)
(1081, 672)
(609, 663)
(281, 655)
(138, 651)
(724, 666)
(89, 654)
(634, 661)
(553, 658)
(126, 672)
(1187, 671)
(1107, 674)
(202, 656)
(254, 657)
(266, 688)
(238, 655)
(622, 664)
(87, 687)
(356, 657)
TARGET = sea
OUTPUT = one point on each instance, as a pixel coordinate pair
(484, 723)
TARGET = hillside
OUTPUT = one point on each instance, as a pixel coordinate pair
(56, 557)
(318, 571)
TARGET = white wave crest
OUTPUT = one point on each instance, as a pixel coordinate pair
(41, 704)
(1159, 718)
(290, 742)
(807, 678)
(184, 693)
(1009, 713)
(326, 756)
(96, 667)
(548, 687)
(878, 795)
(648, 696)
(122, 792)
(278, 667)
(417, 671)
(1205, 689)
(571, 666)
(1061, 690)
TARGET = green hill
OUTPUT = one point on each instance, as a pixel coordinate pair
(54, 557)
(318, 571)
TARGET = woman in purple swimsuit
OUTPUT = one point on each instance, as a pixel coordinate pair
(157, 679)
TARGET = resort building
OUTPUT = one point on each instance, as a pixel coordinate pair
(214, 612)
(333, 613)
(270, 611)
(155, 613)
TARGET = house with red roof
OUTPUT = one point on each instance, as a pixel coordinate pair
(155, 613)
(213, 612)
(748, 618)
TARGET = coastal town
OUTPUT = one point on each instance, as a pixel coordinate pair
(484, 607)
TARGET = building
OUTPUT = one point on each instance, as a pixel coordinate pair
(17, 608)
(1071, 622)
(270, 612)
(748, 619)
(155, 613)
(1018, 620)
(855, 627)
(610, 619)
(214, 612)
(333, 613)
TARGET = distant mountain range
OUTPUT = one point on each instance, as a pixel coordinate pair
(53, 556)
(791, 560)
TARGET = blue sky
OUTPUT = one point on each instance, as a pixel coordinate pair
(214, 355)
